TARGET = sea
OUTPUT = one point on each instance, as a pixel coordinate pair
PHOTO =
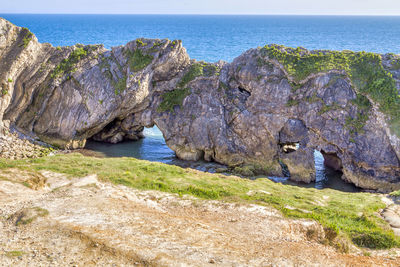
(212, 38)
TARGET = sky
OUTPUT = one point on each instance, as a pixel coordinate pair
(290, 7)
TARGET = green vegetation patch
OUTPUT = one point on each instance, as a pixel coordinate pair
(292, 102)
(119, 85)
(173, 98)
(14, 253)
(27, 37)
(67, 65)
(356, 124)
(365, 70)
(371, 79)
(195, 71)
(4, 91)
(140, 43)
(300, 63)
(27, 216)
(326, 108)
(137, 60)
(394, 61)
(395, 193)
(353, 215)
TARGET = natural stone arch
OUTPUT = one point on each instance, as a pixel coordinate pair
(228, 112)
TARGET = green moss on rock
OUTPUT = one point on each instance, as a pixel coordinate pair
(173, 98)
(300, 63)
(195, 70)
(27, 37)
(140, 43)
(292, 102)
(119, 85)
(137, 60)
(326, 108)
(68, 65)
(365, 70)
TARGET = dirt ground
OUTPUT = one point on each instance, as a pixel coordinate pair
(84, 222)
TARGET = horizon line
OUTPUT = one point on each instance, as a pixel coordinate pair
(210, 14)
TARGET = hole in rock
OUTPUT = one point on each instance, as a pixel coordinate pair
(290, 147)
(328, 173)
(152, 147)
(242, 90)
(331, 160)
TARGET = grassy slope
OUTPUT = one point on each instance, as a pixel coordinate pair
(351, 215)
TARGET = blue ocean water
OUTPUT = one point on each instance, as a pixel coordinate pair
(212, 38)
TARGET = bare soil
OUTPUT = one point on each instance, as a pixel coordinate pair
(58, 221)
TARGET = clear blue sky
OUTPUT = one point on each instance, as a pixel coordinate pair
(313, 7)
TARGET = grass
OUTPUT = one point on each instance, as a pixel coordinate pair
(119, 85)
(39, 212)
(352, 215)
(4, 91)
(326, 108)
(67, 65)
(14, 253)
(365, 71)
(172, 99)
(29, 215)
(175, 97)
(137, 60)
(195, 70)
(356, 124)
(27, 37)
(395, 193)
(139, 43)
(292, 102)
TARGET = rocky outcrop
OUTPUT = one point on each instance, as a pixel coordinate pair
(343, 104)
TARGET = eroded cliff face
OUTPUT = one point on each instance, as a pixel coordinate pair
(270, 107)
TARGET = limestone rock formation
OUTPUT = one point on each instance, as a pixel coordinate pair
(344, 104)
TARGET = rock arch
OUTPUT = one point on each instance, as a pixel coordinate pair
(232, 113)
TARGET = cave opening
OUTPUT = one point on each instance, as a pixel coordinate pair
(328, 168)
(328, 172)
(151, 146)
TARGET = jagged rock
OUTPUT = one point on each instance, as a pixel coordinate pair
(239, 113)
(120, 130)
(293, 131)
